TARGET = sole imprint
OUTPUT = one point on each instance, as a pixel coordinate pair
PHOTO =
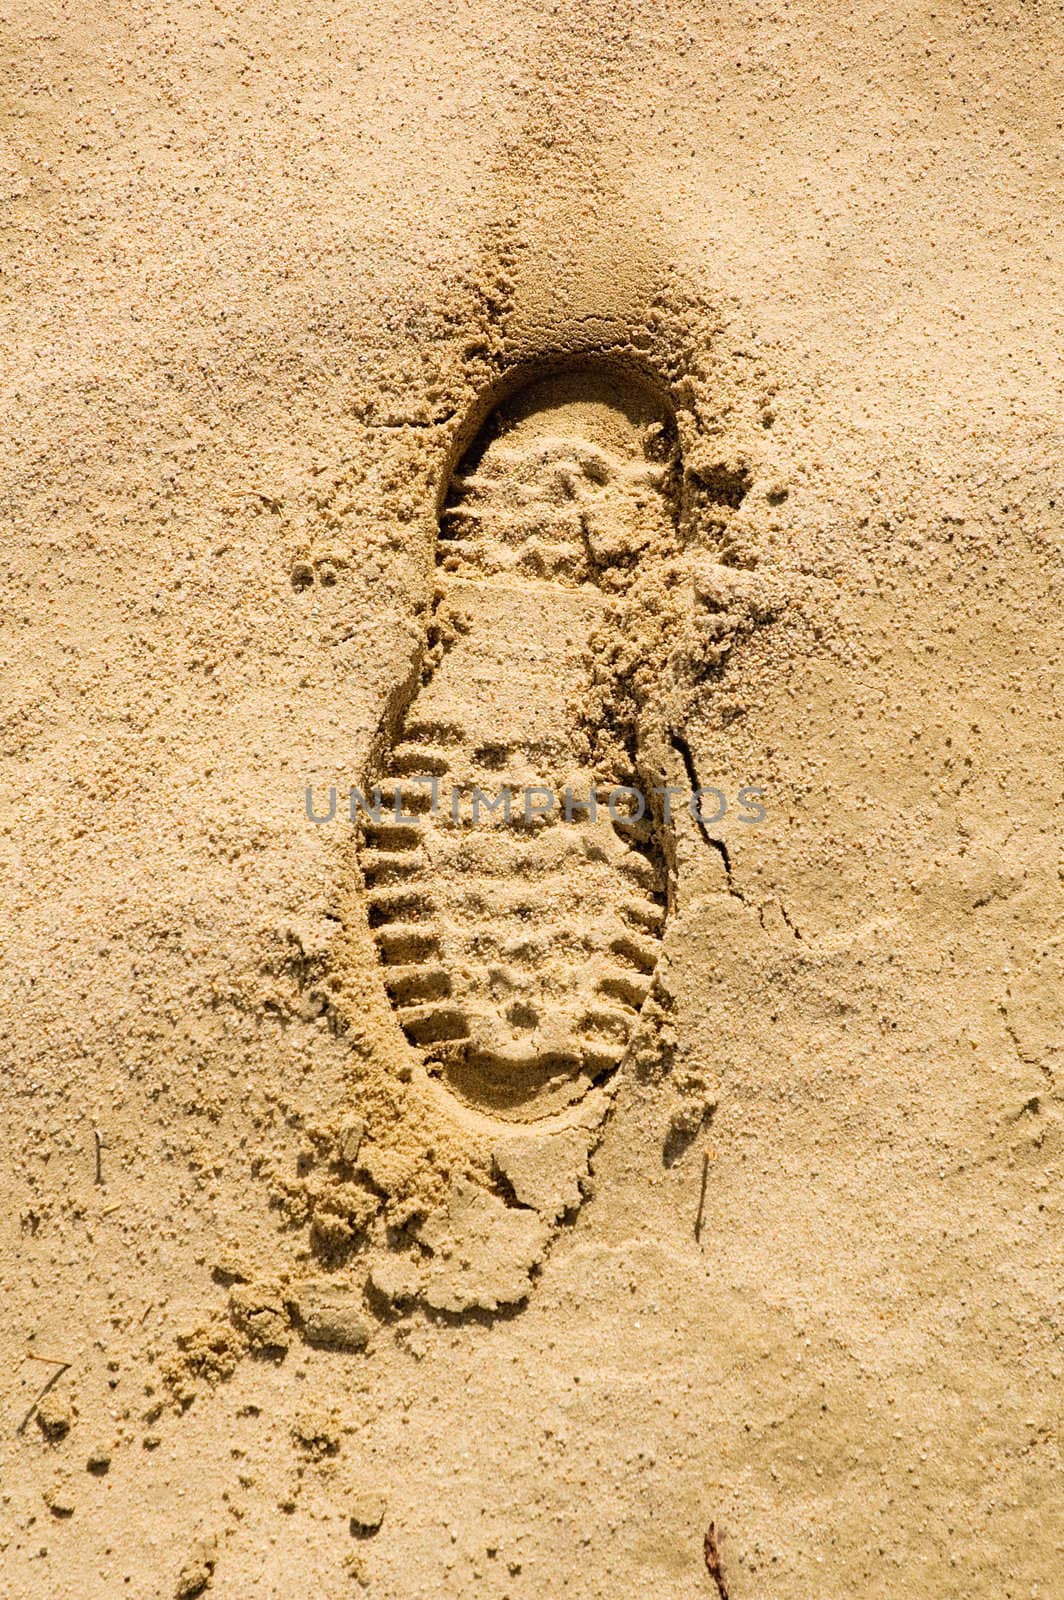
(518, 951)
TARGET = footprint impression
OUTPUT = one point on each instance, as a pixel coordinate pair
(516, 879)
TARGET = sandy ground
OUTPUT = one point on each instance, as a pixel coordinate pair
(281, 1312)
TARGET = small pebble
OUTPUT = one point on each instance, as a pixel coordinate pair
(55, 1415)
(367, 1508)
(59, 1500)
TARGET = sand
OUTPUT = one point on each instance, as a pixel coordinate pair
(539, 396)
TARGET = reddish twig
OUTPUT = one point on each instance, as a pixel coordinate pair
(702, 1197)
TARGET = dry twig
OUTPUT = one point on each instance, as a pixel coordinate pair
(714, 1565)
